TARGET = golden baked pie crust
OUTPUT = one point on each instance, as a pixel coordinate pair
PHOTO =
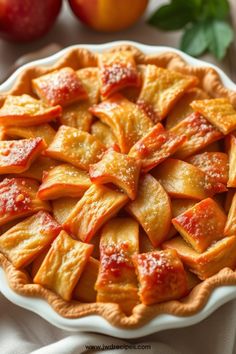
(20, 281)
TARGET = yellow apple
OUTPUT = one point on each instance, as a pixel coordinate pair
(108, 15)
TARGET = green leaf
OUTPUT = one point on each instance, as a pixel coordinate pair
(178, 13)
(218, 9)
(204, 23)
(173, 16)
(219, 35)
(194, 41)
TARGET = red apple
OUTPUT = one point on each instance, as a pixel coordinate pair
(108, 15)
(25, 20)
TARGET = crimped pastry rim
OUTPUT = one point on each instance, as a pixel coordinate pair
(18, 280)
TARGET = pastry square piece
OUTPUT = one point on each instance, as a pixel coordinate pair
(44, 131)
(156, 146)
(76, 147)
(117, 280)
(63, 265)
(219, 111)
(90, 80)
(152, 209)
(97, 205)
(199, 133)
(182, 108)
(230, 227)
(232, 162)
(125, 118)
(62, 207)
(183, 180)
(214, 164)
(60, 87)
(104, 133)
(117, 71)
(161, 89)
(118, 169)
(202, 224)
(25, 111)
(77, 115)
(64, 181)
(18, 199)
(16, 156)
(24, 241)
(84, 290)
(161, 276)
(220, 255)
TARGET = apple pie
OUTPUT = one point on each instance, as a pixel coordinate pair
(117, 185)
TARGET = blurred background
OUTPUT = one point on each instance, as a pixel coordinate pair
(68, 30)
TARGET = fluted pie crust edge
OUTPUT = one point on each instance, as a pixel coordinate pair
(20, 281)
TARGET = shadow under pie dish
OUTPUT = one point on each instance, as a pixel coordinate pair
(121, 201)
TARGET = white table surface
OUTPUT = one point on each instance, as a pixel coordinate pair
(215, 335)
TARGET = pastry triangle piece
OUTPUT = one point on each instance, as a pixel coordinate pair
(161, 89)
(118, 169)
(127, 121)
(219, 112)
(182, 108)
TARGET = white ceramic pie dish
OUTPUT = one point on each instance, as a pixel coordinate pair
(98, 324)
